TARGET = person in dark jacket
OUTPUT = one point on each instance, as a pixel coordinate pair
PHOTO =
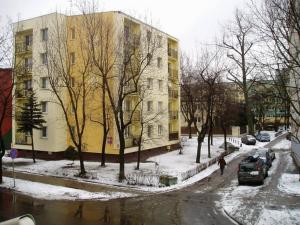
(222, 164)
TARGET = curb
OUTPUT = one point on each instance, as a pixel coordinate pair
(231, 217)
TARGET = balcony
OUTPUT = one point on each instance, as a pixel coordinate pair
(23, 139)
(173, 93)
(173, 53)
(173, 74)
(136, 116)
(131, 142)
(173, 115)
(20, 94)
(23, 47)
(173, 136)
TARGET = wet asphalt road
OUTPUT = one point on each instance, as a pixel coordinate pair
(197, 204)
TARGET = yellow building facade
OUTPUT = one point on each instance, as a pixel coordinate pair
(161, 76)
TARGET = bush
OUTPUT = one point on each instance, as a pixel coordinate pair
(71, 153)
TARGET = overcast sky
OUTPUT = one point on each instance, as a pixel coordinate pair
(191, 21)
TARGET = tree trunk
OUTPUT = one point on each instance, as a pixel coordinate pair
(103, 158)
(32, 146)
(208, 144)
(139, 153)
(105, 129)
(190, 130)
(198, 150)
(82, 169)
(225, 135)
(2, 152)
(122, 157)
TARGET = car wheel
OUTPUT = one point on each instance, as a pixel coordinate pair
(262, 182)
(267, 174)
(241, 183)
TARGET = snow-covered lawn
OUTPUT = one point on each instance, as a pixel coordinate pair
(182, 166)
(290, 184)
(53, 192)
(279, 217)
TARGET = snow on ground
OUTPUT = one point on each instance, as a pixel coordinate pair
(290, 184)
(283, 144)
(280, 216)
(171, 163)
(52, 192)
(234, 196)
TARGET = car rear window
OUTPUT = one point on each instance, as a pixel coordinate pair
(247, 167)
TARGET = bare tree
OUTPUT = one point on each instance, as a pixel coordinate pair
(277, 25)
(70, 76)
(100, 30)
(146, 120)
(134, 58)
(238, 41)
(188, 99)
(7, 83)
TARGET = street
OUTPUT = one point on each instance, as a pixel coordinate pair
(197, 204)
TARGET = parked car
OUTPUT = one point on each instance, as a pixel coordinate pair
(263, 137)
(252, 170)
(264, 154)
(248, 140)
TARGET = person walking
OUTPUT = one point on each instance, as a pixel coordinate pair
(222, 164)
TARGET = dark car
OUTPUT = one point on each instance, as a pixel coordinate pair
(248, 140)
(265, 155)
(263, 137)
(252, 170)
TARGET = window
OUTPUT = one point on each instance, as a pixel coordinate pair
(28, 63)
(159, 39)
(72, 82)
(149, 106)
(127, 132)
(72, 110)
(72, 128)
(149, 34)
(44, 58)
(28, 84)
(73, 33)
(159, 129)
(127, 105)
(44, 106)
(160, 106)
(149, 130)
(72, 56)
(126, 32)
(159, 60)
(149, 58)
(44, 132)
(160, 85)
(149, 83)
(44, 33)
(44, 82)
(28, 40)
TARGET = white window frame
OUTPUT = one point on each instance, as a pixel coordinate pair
(160, 85)
(159, 62)
(159, 106)
(72, 58)
(44, 58)
(44, 82)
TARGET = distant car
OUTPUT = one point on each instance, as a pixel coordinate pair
(263, 137)
(264, 154)
(252, 170)
(230, 147)
(248, 140)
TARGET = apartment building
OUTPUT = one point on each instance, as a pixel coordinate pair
(161, 76)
